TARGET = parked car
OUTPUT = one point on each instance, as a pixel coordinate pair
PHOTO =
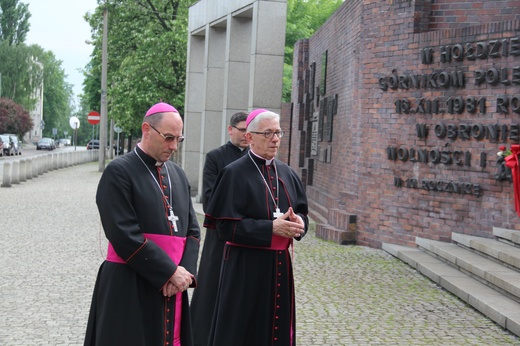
(8, 145)
(45, 143)
(65, 141)
(93, 144)
(17, 143)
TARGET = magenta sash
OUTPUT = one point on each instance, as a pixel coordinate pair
(174, 247)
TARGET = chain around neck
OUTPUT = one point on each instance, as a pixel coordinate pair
(265, 181)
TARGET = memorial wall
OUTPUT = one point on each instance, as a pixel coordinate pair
(400, 109)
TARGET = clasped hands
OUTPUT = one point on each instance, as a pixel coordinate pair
(294, 227)
(179, 282)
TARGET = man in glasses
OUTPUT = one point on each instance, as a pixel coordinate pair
(145, 207)
(203, 299)
(258, 206)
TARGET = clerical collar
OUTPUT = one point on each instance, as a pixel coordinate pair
(238, 147)
(267, 161)
(148, 158)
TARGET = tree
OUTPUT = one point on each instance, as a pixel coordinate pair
(14, 21)
(20, 74)
(14, 118)
(304, 17)
(147, 52)
(147, 42)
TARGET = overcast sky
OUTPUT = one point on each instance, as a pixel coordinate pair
(58, 26)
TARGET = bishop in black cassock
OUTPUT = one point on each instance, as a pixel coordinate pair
(256, 300)
(205, 294)
(148, 244)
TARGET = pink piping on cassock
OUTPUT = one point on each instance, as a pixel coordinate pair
(174, 248)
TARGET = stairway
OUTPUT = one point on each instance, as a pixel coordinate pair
(483, 272)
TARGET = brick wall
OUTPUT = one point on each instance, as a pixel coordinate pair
(386, 95)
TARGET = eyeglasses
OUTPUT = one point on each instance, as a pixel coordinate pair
(239, 129)
(270, 134)
(168, 138)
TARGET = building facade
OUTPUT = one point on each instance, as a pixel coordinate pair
(399, 110)
(235, 63)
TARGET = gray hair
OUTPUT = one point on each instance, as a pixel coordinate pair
(253, 125)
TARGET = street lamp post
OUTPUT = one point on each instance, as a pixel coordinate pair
(74, 123)
(103, 120)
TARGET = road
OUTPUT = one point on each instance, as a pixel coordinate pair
(29, 150)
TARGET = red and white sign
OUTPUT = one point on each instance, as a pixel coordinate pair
(93, 117)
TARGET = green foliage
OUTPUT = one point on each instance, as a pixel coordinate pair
(14, 118)
(20, 75)
(24, 70)
(14, 21)
(147, 52)
(147, 47)
(304, 17)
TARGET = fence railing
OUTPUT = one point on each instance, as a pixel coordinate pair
(23, 169)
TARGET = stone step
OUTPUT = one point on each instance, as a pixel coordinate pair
(489, 272)
(507, 235)
(499, 251)
(341, 219)
(336, 235)
(497, 307)
(317, 212)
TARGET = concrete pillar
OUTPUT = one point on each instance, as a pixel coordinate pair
(194, 124)
(55, 161)
(29, 168)
(15, 172)
(235, 63)
(36, 166)
(6, 180)
(48, 163)
(23, 170)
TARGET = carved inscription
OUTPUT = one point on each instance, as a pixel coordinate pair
(456, 105)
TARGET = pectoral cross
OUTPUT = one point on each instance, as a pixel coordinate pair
(173, 219)
(277, 213)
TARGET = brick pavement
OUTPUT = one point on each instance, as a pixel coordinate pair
(52, 245)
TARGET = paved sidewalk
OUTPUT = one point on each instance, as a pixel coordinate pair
(52, 245)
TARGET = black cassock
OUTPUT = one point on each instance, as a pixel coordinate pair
(204, 296)
(255, 300)
(128, 307)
